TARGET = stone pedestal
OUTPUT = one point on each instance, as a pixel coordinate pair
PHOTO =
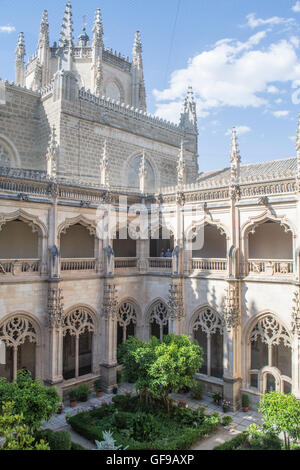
(232, 391)
(108, 377)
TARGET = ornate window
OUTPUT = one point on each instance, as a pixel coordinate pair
(208, 332)
(159, 320)
(78, 329)
(19, 335)
(126, 321)
(133, 178)
(270, 356)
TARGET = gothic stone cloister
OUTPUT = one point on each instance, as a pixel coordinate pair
(75, 135)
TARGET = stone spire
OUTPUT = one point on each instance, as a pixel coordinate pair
(98, 31)
(44, 31)
(52, 155)
(104, 167)
(188, 118)
(143, 173)
(181, 167)
(66, 33)
(20, 61)
(138, 84)
(97, 50)
(235, 159)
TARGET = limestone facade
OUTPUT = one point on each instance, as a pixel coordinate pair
(69, 296)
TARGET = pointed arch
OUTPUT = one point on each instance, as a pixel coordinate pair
(9, 148)
(79, 219)
(129, 161)
(32, 220)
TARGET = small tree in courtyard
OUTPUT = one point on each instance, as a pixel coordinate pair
(281, 414)
(163, 367)
(16, 434)
(30, 398)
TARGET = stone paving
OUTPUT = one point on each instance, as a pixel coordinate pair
(240, 419)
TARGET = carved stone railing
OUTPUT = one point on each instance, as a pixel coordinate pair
(259, 267)
(160, 264)
(20, 267)
(78, 264)
(209, 264)
(125, 263)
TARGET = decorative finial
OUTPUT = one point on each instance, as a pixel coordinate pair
(181, 166)
(137, 46)
(52, 154)
(44, 30)
(104, 167)
(143, 173)
(235, 153)
(188, 118)
(66, 34)
(20, 49)
(98, 30)
(235, 160)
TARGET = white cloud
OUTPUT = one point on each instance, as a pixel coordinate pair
(280, 114)
(296, 7)
(292, 138)
(240, 130)
(7, 29)
(231, 73)
(254, 22)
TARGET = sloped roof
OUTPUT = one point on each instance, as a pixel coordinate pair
(263, 171)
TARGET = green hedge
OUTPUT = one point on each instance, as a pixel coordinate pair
(58, 440)
(259, 442)
(175, 431)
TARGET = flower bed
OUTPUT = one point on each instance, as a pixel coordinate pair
(144, 426)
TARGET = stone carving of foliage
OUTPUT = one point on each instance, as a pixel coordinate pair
(160, 314)
(270, 332)
(15, 331)
(77, 322)
(4, 157)
(209, 321)
(126, 315)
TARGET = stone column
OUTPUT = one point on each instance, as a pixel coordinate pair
(55, 324)
(296, 345)
(232, 345)
(109, 322)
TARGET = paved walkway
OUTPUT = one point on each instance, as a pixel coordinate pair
(240, 420)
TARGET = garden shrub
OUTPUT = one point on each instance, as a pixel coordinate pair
(122, 419)
(57, 440)
(76, 446)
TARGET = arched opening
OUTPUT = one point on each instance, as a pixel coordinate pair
(214, 243)
(19, 335)
(78, 331)
(8, 154)
(133, 174)
(159, 320)
(270, 356)
(127, 319)
(163, 244)
(260, 246)
(208, 332)
(20, 241)
(77, 242)
(124, 248)
(270, 249)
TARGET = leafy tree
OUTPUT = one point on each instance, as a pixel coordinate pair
(281, 414)
(160, 368)
(30, 398)
(17, 435)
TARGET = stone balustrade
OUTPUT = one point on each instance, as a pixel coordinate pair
(208, 265)
(19, 267)
(263, 267)
(125, 263)
(78, 264)
(158, 264)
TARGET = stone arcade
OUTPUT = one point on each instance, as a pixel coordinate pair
(75, 134)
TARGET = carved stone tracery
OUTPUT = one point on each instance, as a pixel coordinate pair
(270, 331)
(16, 330)
(209, 322)
(232, 307)
(77, 322)
(159, 314)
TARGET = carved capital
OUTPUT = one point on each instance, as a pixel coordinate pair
(55, 307)
(296, 314)
(232, 306)
(175, 302)
(110, 301)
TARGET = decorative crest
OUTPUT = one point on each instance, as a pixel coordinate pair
(188, 118)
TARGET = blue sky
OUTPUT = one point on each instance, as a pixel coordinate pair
(242, 58)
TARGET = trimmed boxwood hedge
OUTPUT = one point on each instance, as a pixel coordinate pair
(175, 431)
(58, 440)
(259, 442)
